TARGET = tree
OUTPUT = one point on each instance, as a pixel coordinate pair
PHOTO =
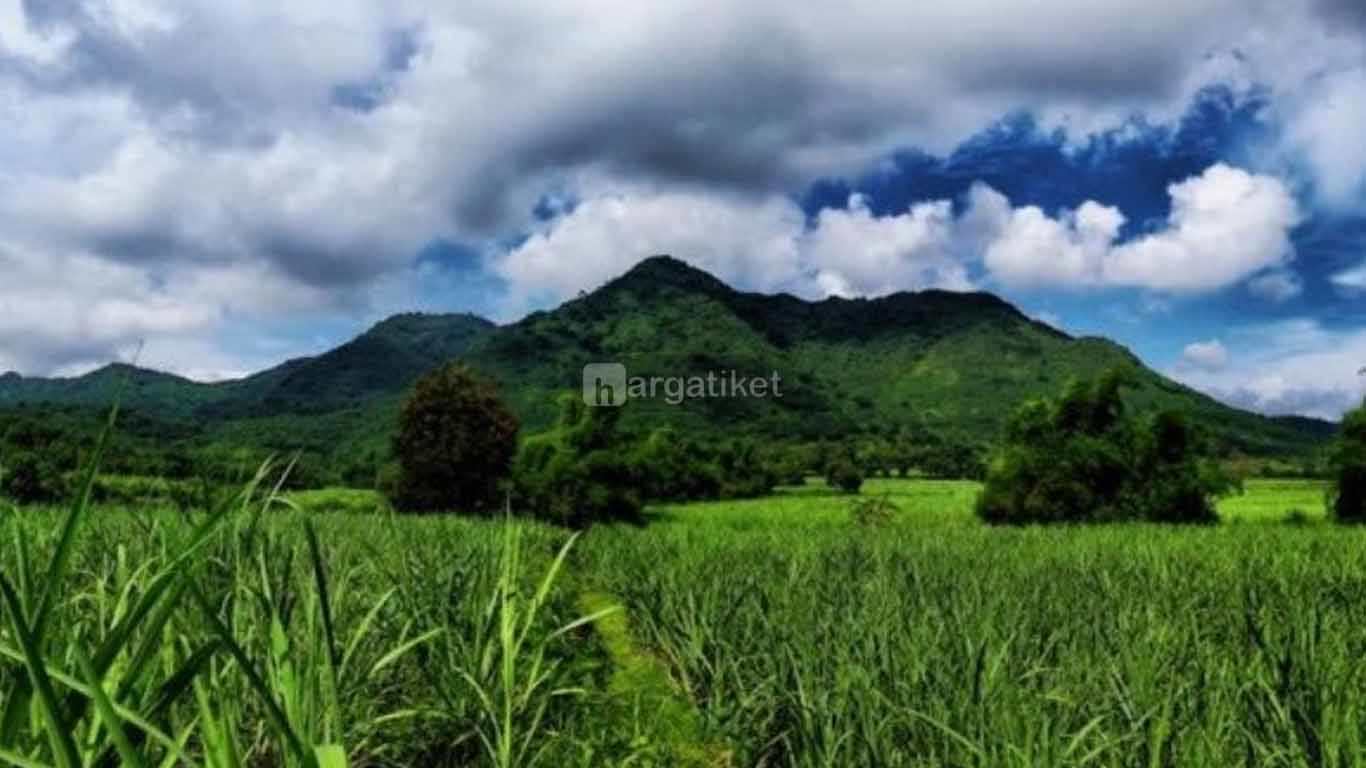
(576, 474)
(1348, 496)
(1082, 458)
(27, 477)
(455, 444)
(670, 467)
(844, 475)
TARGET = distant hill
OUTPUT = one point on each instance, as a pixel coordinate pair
(955, 363)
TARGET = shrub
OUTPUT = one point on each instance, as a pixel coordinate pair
(873, 512)
(672, 468)
(1083, 459)
(455, 443)
(32, 478)
(1347, 497)
(744, 471)
(842, 474)
(789, 465)
(575, 475)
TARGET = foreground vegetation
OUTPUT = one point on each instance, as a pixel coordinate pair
(775, 631)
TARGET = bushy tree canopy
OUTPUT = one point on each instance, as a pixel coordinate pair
(844, 475)
(1349, 465)
(1082, 458)
(32, 478)
(455, 443)
(576, 473)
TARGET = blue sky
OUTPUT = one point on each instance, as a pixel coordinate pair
(230, 185)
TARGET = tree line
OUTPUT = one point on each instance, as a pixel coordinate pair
(1080, 457)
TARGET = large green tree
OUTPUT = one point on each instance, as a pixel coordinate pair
(1083, 458)
(1349, 469)
(578, 473)
(455, 443)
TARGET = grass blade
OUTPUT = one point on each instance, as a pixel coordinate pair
(63, 746)
(257, 683)
(112, 722)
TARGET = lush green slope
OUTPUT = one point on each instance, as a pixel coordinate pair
(949, 362)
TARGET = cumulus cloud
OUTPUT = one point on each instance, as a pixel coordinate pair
(316, 146)
(50, 322)
(750, 241)
(760, 243)
(1225, 225)
(1027, 248)
(867, 255)
(1048, 318)
(1320, 117)
(1205, 355)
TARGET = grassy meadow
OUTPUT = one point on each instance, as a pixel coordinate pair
(773, 632)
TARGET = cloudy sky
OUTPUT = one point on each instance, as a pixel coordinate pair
(238, 183)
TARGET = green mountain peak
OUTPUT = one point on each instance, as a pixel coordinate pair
(952, 363)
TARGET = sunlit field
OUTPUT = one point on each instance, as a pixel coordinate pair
(768, 632)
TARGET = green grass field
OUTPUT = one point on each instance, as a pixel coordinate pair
(771, 632)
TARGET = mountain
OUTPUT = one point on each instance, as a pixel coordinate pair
(384, 360)
(954, 363)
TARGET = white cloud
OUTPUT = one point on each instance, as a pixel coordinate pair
(1049, 318)
(1351, 281)
(1290, 367)
(1225, 226)
(1205, 355)
(1323, 129)
(48, 320)
(1026, 248)
(761, 243)
(872, 255)
(215, 144)
(745, 240)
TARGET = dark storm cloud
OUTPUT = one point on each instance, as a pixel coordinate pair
(303, 257)
(1147, 73)
(98, 55)
(730, 117)
(225, 84)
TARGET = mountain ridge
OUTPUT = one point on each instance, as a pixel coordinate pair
(936, 360)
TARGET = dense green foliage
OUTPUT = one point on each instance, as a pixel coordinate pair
(777, 631)
(577, 474)
(32, 478)
(673, 467)
(1084, 459)
(1349, 469)
(455, 444)
(844, 475)
(587, 470)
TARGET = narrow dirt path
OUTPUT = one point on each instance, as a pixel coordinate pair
(666, 720)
